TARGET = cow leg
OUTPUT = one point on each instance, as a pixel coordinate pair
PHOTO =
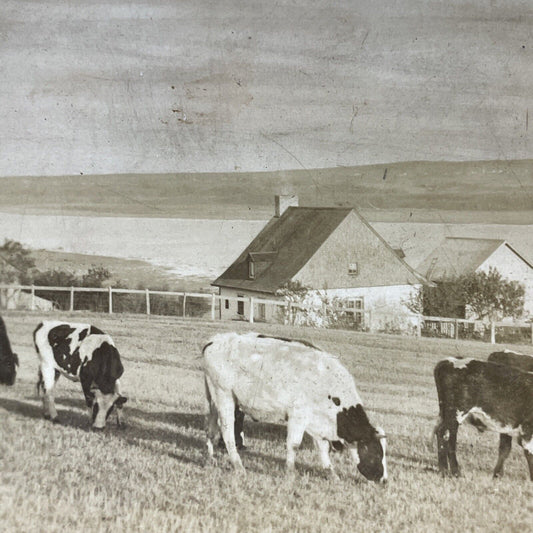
(226, 411)
(295, 433)
(452, 455)
(239, 428)
(529, 459)
(504, 450)
(40, 383)
(443, 435)
(527, 445)
(212, 429)
(322, 446)
(118, 410)
(49, 378)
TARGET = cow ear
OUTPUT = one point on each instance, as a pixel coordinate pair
(120, 401)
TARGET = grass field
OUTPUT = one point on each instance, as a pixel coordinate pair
(152, 475)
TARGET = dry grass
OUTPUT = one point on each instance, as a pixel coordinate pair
(152, 475)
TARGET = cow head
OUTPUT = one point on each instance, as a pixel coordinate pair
(366, 443)
(103, 405)
(372, 459)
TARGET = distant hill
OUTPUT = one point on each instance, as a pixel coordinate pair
(485, 191)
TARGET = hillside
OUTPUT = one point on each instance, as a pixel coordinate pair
(483, 191)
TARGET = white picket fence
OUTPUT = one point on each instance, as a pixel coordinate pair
(442, 326)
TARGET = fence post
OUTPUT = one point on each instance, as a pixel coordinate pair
(456, 330)
(147, 292)
(251, 309)
(110, 290)
(531, 332)
(213, 300)
(71, 299)
(33, 298)
(492, 333)
(184, 300)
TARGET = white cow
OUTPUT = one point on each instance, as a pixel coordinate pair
(296, 382)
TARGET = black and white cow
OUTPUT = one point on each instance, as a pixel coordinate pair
(488, 396)
(508, 357)
(84, 353)
(8, 359)
(295, 382)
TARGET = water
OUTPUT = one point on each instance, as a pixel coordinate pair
(206, 247)
(186, 246)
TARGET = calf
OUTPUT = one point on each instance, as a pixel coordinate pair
(296, 382)
(489, 396)
(8, 359)
(82, 353)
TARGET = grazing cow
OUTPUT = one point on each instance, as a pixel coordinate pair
(508, 357)
(296, 382)
(82, 353)
(488, 396)
(8, 359)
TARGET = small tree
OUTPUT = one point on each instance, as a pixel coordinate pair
(487, 294)
(491, 297)
(294, 293)
(16, 262)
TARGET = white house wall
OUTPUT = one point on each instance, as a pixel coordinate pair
(271, 311)
(384, 307)
(512, 267)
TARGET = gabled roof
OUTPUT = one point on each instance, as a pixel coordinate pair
(456, 256)
(293, 238)
(286, 244)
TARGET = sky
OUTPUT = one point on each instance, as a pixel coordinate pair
(98, 87)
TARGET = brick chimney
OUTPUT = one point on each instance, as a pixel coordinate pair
(283, 201)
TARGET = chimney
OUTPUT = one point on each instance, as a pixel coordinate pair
(283, 201)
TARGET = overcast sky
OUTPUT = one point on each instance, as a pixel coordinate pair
(190, 85)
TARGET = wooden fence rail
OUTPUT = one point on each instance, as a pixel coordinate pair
(422, 322)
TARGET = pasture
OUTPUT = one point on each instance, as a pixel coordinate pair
(152, 475)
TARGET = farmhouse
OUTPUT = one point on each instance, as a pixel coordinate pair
(336, 253)
(456, 256)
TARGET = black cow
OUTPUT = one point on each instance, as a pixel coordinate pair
(9, 360)
(489, 396)
(82, 353)
(518, 360)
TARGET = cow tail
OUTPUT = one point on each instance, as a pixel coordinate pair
(40, 383)
(34, 336)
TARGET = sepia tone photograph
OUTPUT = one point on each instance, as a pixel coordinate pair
(266, 266)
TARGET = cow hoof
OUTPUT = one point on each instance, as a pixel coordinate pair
(332, 475)
(97, 429)
(54, 420)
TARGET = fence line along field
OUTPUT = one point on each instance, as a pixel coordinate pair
(153, 475)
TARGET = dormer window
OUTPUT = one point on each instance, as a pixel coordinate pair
(251, 269)
(352, 269)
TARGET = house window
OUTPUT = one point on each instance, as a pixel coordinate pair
(352, 269)
(226, 304)
(251, 269)
(240, 305)
(261, 311)
(353, 309)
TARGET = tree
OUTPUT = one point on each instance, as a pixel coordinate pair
(487, 294)
(16, 262)
(491, 297)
